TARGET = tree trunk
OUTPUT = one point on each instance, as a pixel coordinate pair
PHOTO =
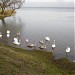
(2, 11)
(13, 10)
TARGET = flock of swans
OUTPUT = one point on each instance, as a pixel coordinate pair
(17, 41)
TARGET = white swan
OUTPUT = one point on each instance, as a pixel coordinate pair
(30, 45)
(68, 49)
(16, 42)
(41, 42)
(0, 34)
(42, 47)
(27, 40)
(53, 45)
(8, 33)
(47, 39)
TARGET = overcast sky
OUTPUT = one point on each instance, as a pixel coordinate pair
(49, 0)
(48, 3)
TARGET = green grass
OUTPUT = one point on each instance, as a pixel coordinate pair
(16, 61)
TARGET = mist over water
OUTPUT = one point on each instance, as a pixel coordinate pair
(37, 23)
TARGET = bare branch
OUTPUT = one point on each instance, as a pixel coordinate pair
(14, 4)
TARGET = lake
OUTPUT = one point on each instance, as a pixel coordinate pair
(37, 23)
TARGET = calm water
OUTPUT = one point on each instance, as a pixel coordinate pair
(36, 23)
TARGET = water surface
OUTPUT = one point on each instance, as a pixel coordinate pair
(37, 23)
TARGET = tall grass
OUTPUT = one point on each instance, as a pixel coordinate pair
(16, 61)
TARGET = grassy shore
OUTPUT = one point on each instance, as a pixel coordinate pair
(16, 61)
(7, 13)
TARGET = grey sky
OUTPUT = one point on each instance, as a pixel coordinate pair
(49, 0)
(48, 4)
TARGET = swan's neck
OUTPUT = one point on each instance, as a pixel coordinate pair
(54, 41)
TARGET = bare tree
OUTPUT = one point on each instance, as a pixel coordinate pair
(11, 4)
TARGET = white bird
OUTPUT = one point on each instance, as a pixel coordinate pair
(41, 42)
(68, 49)
(47, 39)
(15, 39)
(27, 40)
(53, 45)
(0, 34)
(16, 42)
(42, 47)
(8, 33)
(30, 45)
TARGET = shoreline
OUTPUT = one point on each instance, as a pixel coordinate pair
(36, 62)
